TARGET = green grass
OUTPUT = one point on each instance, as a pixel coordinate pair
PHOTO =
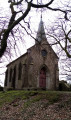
(29, 102)
(9, 96)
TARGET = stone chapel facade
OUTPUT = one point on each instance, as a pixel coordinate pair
(37, 68)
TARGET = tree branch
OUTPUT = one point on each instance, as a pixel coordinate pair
(11, 25)
(41, 6)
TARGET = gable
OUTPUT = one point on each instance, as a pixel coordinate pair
(18, 59)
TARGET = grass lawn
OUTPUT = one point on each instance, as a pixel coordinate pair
(9, 96)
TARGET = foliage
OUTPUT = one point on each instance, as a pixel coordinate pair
(63, 86)
(1, 88)
(70, 87)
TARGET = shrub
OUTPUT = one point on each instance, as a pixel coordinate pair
(63, 86)
(9, 89)
(1, 88)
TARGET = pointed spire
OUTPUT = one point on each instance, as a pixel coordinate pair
(41, 32)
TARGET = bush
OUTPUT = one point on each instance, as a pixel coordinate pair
(9, 89)
(1, 88)
(70, 87)
(63, 86)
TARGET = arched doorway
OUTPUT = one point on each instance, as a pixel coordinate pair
(42, 78)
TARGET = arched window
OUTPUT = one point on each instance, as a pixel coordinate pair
(10, 77)
(19, 71)
(6, 77)
(14, 77)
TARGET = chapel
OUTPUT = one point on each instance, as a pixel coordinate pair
(36, 69)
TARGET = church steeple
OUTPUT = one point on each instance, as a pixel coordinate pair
(41, 32)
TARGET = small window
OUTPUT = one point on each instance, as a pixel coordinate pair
(44, 53)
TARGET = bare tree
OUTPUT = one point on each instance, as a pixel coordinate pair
(19, 11)
(60, 33)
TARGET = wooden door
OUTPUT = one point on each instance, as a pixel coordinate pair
(42, 78)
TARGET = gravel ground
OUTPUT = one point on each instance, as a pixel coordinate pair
(40, 110)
